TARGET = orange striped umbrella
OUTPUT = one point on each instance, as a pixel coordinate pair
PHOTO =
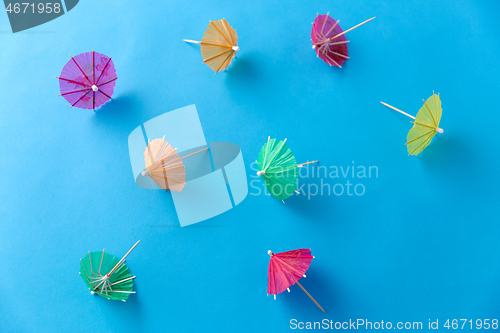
(218, 45)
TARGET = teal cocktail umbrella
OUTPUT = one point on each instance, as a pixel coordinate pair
(106, 275)
(278, 169)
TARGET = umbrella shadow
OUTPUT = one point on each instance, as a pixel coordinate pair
(251, 74)
(450, 158)
(341, 71)
(127, 314)
(248, 73)
(320, 289)
(442, 149)
(120, 111)
(243, 69)
(316, 202)
(317, 208)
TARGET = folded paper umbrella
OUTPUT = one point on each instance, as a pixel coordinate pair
(164, 165)
(106, 275)
(218, 45)
(278, 169)
(425, 126)
(329, 40)
(87, 81)
(285, 270)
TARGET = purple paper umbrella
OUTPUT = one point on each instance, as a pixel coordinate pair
(329, 40)
(87, 81)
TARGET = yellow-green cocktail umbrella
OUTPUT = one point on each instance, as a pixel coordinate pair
(425, 126)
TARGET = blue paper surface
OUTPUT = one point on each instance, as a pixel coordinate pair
(420, 244)
(202, 199)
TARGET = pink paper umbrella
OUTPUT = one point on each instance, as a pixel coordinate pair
(285, 270)
(329, 40)
(87, 81)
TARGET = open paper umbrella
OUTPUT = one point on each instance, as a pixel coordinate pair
(106, 275)
(329, 41)
(278, 169)
(164, 165)
(87, 81)
(425, 126)
(218, 45)
(285, 270)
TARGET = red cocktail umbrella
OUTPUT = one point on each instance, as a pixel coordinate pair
(87, 81)
(285, 270)
(329, 41)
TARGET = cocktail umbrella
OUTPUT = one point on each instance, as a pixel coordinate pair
(278, 169)
(285, 270)
(87, 81)
(425, 126)
(218, 45)
(329, 41)
(106, 275)
(164, 165)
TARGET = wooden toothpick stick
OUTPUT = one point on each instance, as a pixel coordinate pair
(123, 259)
(319, 306)
(342, 33)
(392, 107)
(302, 164)
(196, 152)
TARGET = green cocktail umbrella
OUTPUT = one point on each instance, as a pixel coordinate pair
(425, 126)
(278, 169)
(106, 275)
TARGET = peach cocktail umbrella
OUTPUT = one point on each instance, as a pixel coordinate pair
(164, 165)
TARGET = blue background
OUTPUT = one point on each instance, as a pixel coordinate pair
(421, 243)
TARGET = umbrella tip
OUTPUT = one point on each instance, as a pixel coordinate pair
(145, 173)
(440, 130)
(95, 88)
(314, 47)
(260, 173)
(270, 253)
(236, 48)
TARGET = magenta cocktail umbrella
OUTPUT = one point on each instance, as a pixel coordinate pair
(329, 40)
(87, 81)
